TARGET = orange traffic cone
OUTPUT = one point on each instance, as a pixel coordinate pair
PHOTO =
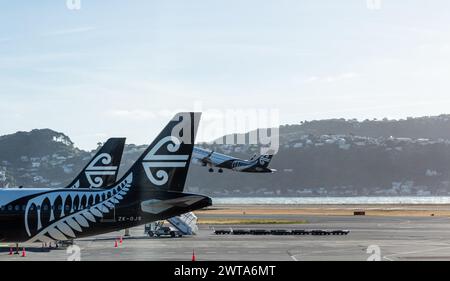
(10, 251)
(24, 254)
(121, 240)
(193, 255)
(115, 244)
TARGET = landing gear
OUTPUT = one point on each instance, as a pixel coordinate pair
(211, 170)
(220, 171)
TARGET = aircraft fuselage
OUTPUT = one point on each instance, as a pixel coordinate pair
(61, 214)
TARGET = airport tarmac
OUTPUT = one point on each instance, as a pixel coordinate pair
(397, 238)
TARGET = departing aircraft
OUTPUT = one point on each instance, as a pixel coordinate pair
(144, 194)
(103, 169)
(222, 161)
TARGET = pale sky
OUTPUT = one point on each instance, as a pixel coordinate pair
(106, 69)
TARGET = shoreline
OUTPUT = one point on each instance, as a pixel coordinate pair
(416, 210)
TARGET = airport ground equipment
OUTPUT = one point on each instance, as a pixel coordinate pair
(241, 232)
(340, 232)
(280, 232)
(319, 232)
(151, 228)
(166, 231)
(222, 232)
(186, 223)
(157, 229)
(300, 232)
(259, 232)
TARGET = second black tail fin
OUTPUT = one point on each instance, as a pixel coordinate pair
(103, 168)
(165, 163)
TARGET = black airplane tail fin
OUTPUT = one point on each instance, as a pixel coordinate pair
(165, 163)
(103, 168)
(264, 160)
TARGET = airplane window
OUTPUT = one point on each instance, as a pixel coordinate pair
(17, 208)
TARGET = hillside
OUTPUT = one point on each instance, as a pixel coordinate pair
(317, 158)
(430, 127)
(38, 158)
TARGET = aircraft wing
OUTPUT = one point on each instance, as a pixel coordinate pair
(210, 158)
(155, 206)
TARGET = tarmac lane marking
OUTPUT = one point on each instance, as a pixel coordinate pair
(415, 252)
(305, 254)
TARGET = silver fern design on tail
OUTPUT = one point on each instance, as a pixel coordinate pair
(153, 160)
(94, 172)
(85, 209)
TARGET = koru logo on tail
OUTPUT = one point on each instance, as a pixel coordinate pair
(95, 172)
(158, 162)
(264, 159)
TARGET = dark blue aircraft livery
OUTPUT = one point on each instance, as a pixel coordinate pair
(151, 190)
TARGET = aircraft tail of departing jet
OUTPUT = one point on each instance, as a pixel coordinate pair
(264, 160)
(103, 168)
